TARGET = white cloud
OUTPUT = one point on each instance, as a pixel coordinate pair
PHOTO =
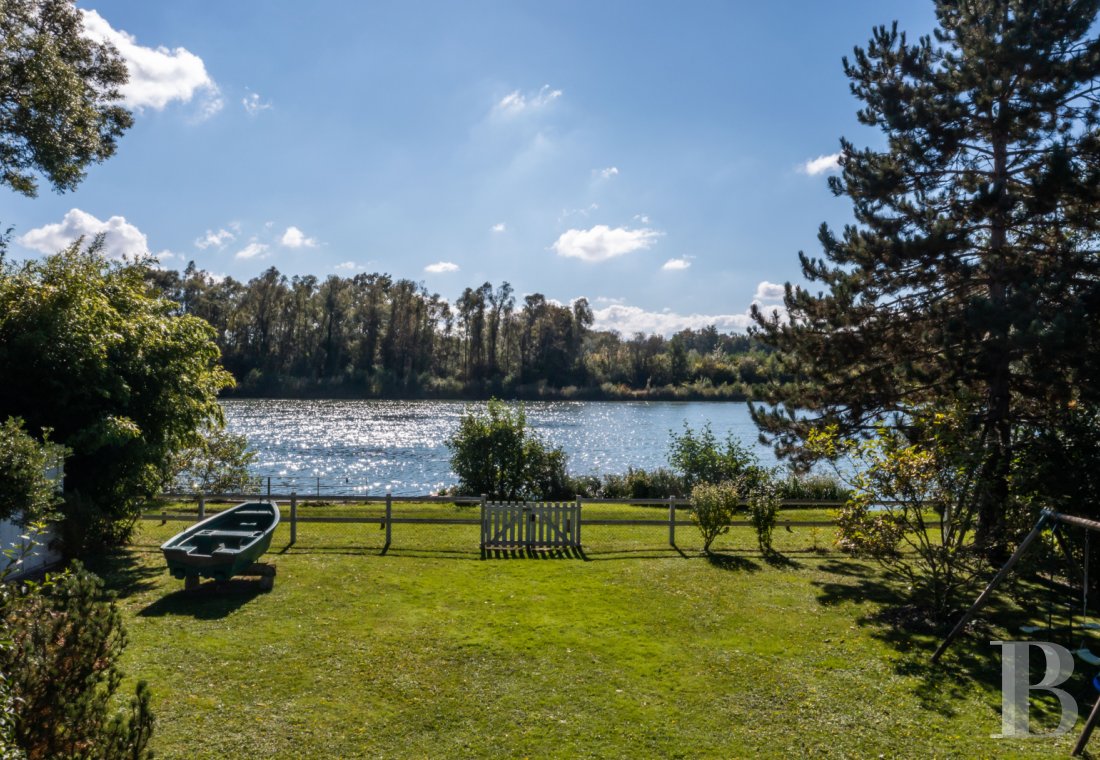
(295, 238)
(822, 165)
(673, 265)
(253, 104)
(601, 242)
(441, 267)
(628, 320)
(158, 75)
(217, 239)
(350, 266)
(516, 102)
(769, 291)
(120, 237)
(253, 250)
(643, 218)
(609, 172)
(499, 227)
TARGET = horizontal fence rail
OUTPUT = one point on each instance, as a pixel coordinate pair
(556, 525)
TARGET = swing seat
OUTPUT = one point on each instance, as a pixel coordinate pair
(1085, 655)
(1031, 628)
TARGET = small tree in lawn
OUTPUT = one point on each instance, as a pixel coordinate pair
(904, 483)
(712, 508)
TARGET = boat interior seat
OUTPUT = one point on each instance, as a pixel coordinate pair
(230, 533)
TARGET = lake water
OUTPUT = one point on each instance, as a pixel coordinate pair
(367, 446)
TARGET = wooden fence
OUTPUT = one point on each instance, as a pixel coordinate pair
(669, 520)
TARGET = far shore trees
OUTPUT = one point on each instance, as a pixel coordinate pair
(972, 273)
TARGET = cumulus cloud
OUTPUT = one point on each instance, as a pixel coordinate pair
(822, 165)
(441, 267)
(517, 102)
(673, 265)
(253, 104)
(158, 75)
(769, 291)
(295, 238)
(213, 239)
(628, 320)
(347, 265)
(601, 242)
(609, 172)
(253, 250)
(498, 227)
(120, 237)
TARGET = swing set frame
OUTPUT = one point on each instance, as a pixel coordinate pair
(1047, 517)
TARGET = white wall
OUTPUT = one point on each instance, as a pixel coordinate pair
(39, 558)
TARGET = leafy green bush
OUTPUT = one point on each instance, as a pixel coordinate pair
(61, 666)
(763, 505)
(813, 488)
(120, 377)
(699, 458)
(903, 482)
(643, 484)
(494, 453)
(713, 506)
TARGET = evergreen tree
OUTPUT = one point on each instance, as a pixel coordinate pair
(972, 271)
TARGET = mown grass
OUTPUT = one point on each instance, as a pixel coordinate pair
(634, 649)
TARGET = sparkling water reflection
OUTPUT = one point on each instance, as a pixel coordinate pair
(367, 446)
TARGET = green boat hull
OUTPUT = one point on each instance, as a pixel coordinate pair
(223, 545)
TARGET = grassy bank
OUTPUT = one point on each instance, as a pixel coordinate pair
(635, 650)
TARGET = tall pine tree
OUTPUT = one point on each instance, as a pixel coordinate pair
(972, 271)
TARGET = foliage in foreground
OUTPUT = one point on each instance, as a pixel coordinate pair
(122, 380)
(27, 494)
(903, 482)
(494, 453)
(61, 666)
(60, 90)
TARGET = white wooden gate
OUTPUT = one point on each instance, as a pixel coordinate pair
(529, 525)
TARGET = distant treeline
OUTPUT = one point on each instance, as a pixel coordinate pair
(371, 335)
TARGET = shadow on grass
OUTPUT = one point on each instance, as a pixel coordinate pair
(212, 600)
(725, 561)
(971, 663)
(123, 572)
(523, 553)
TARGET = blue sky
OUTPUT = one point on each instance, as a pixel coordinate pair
(658, 159)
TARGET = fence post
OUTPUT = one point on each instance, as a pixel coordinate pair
(577, 535)
(202, 506)
(269, 488)
(318, 486)
(671, 522)
(293, 517)
(484, 532)
(389, 519)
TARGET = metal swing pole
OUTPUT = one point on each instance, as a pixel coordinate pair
(984, 597)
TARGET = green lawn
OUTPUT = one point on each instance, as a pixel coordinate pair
(633, 650)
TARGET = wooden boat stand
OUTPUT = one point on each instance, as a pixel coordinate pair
(265, 571)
